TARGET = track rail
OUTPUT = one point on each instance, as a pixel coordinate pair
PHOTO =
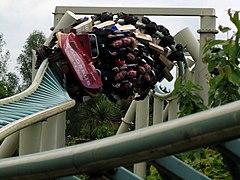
(194, 131)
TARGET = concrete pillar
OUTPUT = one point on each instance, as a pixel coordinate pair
(201, 75)
(61, 130)
(172, 109)
(53, 132)
(142, 120)
(128, 118)
(29, 141)
(158, 106)
(9, 145)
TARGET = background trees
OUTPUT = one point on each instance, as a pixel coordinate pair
(24, 60)
(4, 56)
(8, 80)
(94, 118)
(223, 63)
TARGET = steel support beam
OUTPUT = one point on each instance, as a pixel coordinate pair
(179, 168)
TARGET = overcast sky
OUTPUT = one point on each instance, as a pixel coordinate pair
(20, 18)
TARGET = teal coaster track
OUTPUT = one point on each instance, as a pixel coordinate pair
(45, 93)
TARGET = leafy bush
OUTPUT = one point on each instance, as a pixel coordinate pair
(153, 174)
(189, 102)
(208, 161)
(222, 57)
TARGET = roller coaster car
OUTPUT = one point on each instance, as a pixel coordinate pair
(78, 54)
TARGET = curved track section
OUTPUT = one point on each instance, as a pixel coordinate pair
(44, 98)
(194, 131)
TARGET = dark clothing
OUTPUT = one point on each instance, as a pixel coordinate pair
(108, 55)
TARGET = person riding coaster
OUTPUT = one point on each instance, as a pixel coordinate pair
(68, 48)
(116, 49)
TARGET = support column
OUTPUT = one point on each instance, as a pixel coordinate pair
(53, 132)
(158, 106)
(29, 141)
(142, 120)
(61, 130)
(172, 109)
(128, 118)
(201, 74)
(9, 145)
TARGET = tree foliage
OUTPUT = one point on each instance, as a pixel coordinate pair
(189, 102)
(8, 80)
(33, 42)
(96, 115)
(222, 57)
(223, 62)
(4, 56)
(92, 118)
(208, 161)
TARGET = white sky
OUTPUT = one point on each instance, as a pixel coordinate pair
(20, 18)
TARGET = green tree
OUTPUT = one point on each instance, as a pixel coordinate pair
(96, 115)
(4, 56)
(223, 62)
(85, 117)
(11, 84)
(189, 102)
(8, 80)
(33, 42)
(92, 119)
